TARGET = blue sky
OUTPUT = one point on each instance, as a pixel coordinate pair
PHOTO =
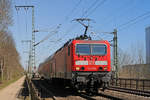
(50, 13)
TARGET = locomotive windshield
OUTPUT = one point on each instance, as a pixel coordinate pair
(98, 49)
(83, 49)
(91, 49)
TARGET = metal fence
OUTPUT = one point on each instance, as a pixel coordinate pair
(137, 84)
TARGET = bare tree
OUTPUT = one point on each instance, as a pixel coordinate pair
(8, 52)
(5, 14)
(131, 58)
(134, 55)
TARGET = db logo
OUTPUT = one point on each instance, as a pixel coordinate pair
(91, 63)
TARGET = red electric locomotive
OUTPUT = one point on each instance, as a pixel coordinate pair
(83, 64)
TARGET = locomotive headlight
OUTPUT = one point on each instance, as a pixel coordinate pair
(77, 68)
(81, 62)
(105, 68)
(101, 62)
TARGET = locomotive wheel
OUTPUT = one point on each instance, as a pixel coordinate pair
(92, 91)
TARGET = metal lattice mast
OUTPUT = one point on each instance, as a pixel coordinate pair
(33, 35)
(115, 52)
(33, 40)
(30, 54)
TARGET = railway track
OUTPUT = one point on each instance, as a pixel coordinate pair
(124, 95)
(43, 92)
(131, 91)
(49, 91)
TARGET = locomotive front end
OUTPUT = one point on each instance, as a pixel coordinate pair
(91, 65)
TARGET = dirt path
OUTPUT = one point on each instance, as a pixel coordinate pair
(11, 91)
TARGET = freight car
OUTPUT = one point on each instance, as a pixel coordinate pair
(82, 64)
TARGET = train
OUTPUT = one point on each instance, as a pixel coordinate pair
(81, 64)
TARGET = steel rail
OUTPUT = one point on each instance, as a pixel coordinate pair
(131, 91)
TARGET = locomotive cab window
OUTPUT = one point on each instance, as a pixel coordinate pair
(68, 51)
(91, 49)
(83, 49)
(98, 49)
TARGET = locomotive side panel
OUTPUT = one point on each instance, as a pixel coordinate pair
(64, 63)
(60, 64)
(47, 70)
(44, 70)
(69, 60)
(52, 68)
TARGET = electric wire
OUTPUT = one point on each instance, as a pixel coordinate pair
(97, 6)
(124, 8)
(18, 23)
(92, 5)
(134, 20)
(71, 13)
(26, 22)
(73, 10)
(89, 8)
(72, 27)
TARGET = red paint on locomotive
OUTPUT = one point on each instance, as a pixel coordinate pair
(91, 59)
(62, 63)
(83, 64)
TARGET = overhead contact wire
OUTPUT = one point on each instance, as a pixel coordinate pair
(88, 9)
(134, 20)
(97, 6)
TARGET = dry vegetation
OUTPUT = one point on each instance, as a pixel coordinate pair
(141, 71)
(131, 63)
(10, 66)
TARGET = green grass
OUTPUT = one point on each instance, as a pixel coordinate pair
(7, 82)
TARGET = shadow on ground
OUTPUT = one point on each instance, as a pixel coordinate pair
(57, 90)
(24, 92)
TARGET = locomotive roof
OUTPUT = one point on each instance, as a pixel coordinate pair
(50, 57)
(47, 59)
(66, 44)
